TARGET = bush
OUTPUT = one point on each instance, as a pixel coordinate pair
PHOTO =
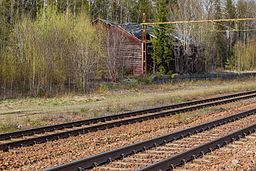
(244, 56)
(145, 79)
(130, 81)
(102, 89)
(51, 52)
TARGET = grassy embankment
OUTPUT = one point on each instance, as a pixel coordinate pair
(32, 112)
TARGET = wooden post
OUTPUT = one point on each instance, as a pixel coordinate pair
(144, 46)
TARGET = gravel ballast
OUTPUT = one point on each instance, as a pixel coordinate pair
(239, 155)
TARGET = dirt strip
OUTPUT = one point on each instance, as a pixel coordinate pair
(240, 155)
(50, 154)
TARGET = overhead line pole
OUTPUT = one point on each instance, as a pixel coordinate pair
(144, 46)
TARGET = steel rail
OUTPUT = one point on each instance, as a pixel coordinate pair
(61, 135)
(183, 158)
(40, 130)
(107, 157)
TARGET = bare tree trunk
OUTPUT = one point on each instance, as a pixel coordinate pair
(45, 6)
(67, 7)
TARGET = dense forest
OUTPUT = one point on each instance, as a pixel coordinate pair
(50, 47)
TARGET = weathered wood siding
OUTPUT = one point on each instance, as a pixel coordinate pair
(131, 52)
(188, 59)
(126, 49)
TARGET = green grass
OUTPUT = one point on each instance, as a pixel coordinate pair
(31, 112)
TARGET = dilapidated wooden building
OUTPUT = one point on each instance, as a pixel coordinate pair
(124, 50)
(189, 55)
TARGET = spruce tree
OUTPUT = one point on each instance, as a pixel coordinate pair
(100, 9)
(162, 44)
(230, 9)
(241, 13)
(230, 12)
(219, 37)
(142, 6)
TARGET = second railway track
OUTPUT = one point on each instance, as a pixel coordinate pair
(50, 133)
(169, 151)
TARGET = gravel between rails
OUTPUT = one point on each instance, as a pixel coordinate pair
(50, 154)
(154, 155)
(239, 155)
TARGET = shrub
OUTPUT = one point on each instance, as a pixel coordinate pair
(55, 51)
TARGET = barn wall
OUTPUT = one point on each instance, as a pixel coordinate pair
(132, 54)
(127, 51)
(123, 51)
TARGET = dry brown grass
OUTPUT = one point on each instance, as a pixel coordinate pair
(31, 112)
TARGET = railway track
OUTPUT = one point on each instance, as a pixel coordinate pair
(50, 133)
(170, 151)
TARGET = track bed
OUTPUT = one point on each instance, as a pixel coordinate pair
(174, 149)
(50, 133)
